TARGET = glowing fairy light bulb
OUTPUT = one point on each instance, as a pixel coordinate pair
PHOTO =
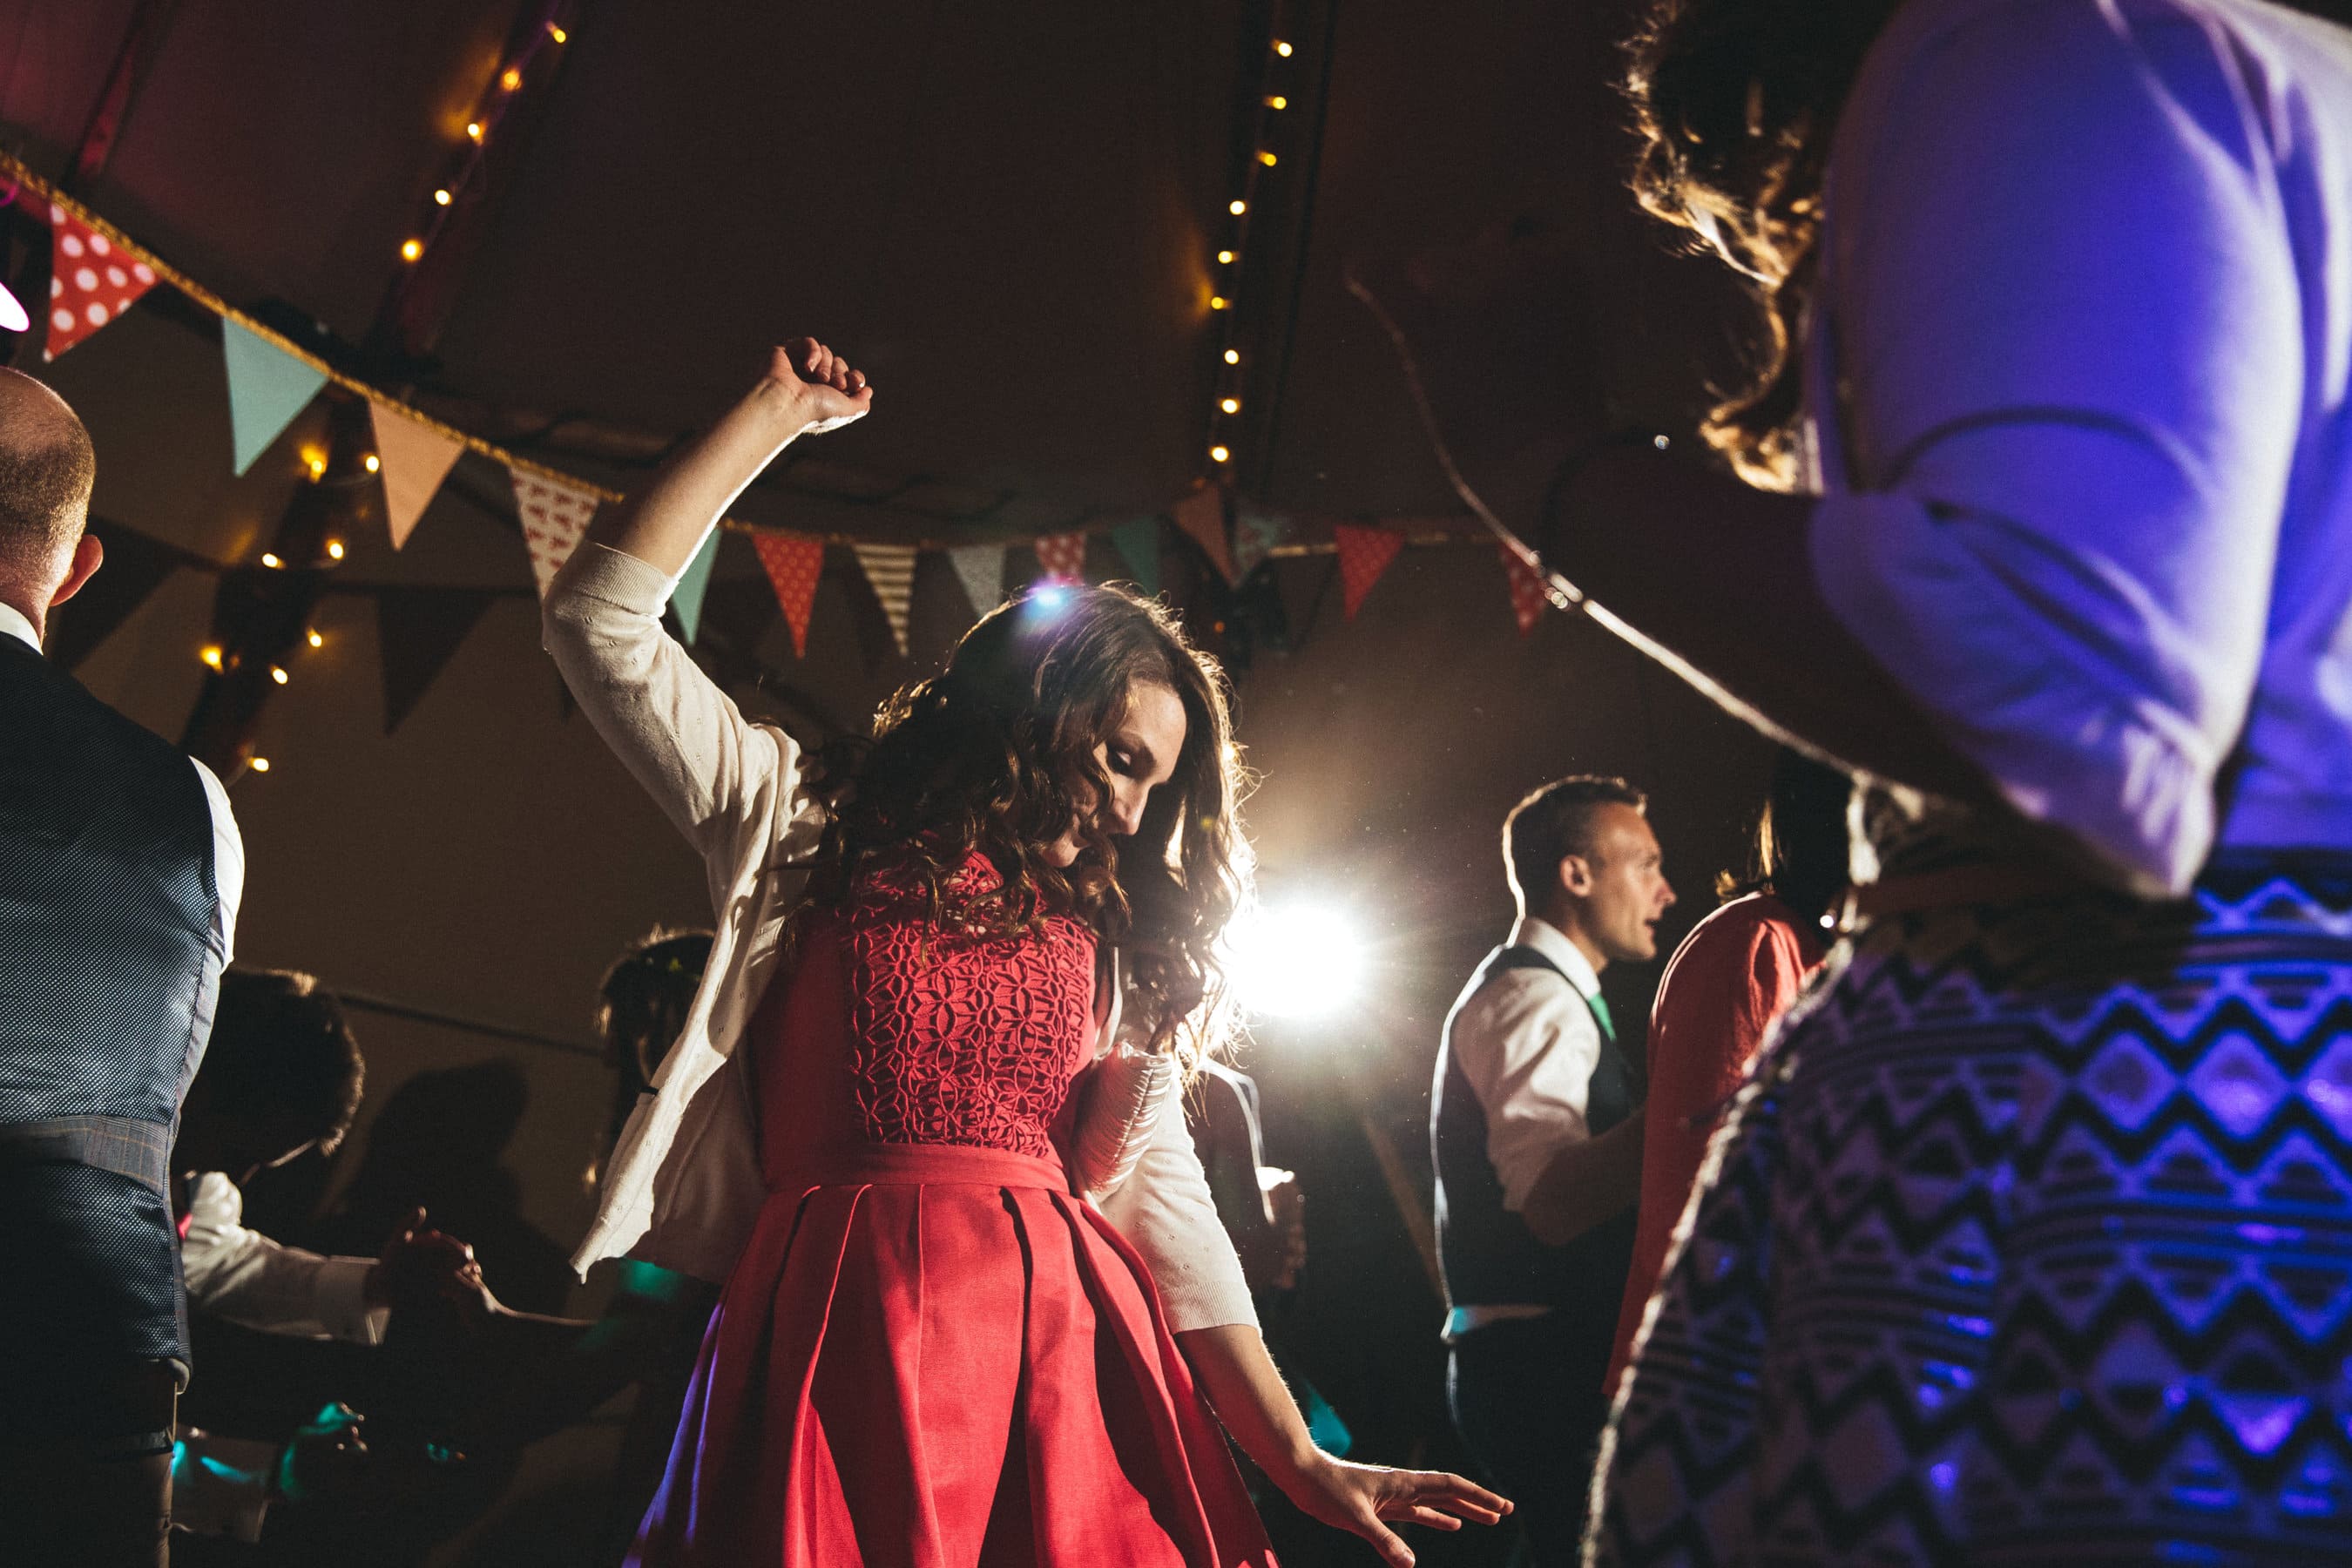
(277, 673)
(258, 764)
(1225, 259)
(1218, 302)
(441, 198)
(1282, 48)
(474, 131)
(1232, 356)
(410, 250)
(1219, 454)
(269, 559)
(211, 654)
(1237, 206)
(374, 463)
(334, 550)
(313, 638)
(1267, 159)
(558, 34)
(1277, 102)
(1231, 406)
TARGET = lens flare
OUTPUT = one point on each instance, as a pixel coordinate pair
(1301, 960)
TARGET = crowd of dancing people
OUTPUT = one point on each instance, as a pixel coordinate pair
(1981, 1191)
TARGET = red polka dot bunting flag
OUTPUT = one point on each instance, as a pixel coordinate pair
(794, 563)
(1064, 557)
(554, 515)
(1364, 555)
(1528, 600)
(91, 280)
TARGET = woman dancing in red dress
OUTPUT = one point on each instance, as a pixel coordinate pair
(895, 1097)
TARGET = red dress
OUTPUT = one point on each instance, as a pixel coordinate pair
(931, 1354)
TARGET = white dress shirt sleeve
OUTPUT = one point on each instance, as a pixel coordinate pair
(2065, 311)
(1528, 1042)
(1166, 1210)
(229, 864)
(245, 1277)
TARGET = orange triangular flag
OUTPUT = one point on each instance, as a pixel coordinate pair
(1202, 516)
(413, 459)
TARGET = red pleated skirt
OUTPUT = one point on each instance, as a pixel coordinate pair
(935, 1357)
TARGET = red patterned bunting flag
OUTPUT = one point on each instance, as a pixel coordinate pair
(554, 515)
(1064, 557)
(1528, 600)
(91, 280)
(794, 563)
(1364, 555)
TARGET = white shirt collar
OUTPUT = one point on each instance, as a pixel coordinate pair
(1552, 942)
(12, 622)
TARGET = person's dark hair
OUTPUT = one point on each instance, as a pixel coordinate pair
(641, 1010)
(1800, 853)
(1552, 823)
(1734, 102)
(282, 1047)
(996, 754)
(46, 469)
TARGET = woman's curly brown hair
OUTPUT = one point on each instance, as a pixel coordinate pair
(997, 754)
(1734, 102)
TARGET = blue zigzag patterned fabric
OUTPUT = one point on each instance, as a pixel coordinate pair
(2030, 1244)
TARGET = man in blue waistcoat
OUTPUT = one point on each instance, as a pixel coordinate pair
(120, 875)
(1536, 1134)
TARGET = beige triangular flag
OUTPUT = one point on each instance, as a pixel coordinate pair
(554, 515)
(411, 459)
(891, 568)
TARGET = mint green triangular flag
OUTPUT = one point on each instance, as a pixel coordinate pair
(685, 599)
(267, 387)
(1139, 546)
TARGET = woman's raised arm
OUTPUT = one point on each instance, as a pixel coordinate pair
(711, 771)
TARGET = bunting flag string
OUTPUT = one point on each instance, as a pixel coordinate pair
(414, 458)
(1364, 555)
(90, 281)
(1064, 557)
(555, 516)
(1528, 600)
(1202, 517)
(980, 569)
(890, 569)
(267, 387)
(1139, 545)
(794, 563)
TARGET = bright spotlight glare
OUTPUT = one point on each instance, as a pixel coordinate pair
(1298, 961)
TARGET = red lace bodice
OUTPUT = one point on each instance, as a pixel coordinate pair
(961, 1038)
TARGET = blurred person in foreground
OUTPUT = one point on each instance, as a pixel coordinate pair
(917, 958)
(1535, 1133)
(2040, 517)
(120, 872)
(1728, 983)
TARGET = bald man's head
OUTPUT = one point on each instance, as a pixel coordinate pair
(46, 468)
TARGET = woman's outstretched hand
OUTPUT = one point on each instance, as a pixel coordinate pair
(823, 391)
(1362, 1498)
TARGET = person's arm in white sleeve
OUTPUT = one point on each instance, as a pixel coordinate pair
(1166, 1211)
(238, 1274)
(229, 864)
(682, 737)
(1527, 1043)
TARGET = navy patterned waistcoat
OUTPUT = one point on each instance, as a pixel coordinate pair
(109, 971)
(1489, 1255)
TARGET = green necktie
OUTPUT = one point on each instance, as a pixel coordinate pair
(1599, 1005)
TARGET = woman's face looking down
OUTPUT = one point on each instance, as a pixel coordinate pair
(1138, 756)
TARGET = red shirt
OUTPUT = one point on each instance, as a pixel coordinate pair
(1732, 976)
